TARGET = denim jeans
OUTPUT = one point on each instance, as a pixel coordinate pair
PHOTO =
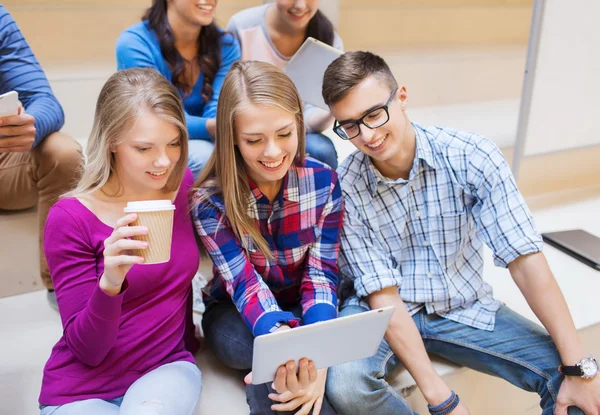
(320, 147)
(518, 351)
(171, 389)
(198, 153)
(232, 344)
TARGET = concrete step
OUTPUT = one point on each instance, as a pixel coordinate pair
(19, 263)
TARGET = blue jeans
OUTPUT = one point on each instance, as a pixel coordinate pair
(171, 389)
(320, 147)
(232, 344)
(198, 153)
(518, 351)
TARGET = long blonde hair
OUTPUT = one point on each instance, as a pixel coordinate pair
(225, 172)
(122, 100)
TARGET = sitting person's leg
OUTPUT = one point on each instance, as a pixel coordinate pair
(360, 387)
(320, 147)
(88, 407)
(232, 343)
(17, 190)
(173, 388)
(518, 351)
(55, 169)
(199, 152)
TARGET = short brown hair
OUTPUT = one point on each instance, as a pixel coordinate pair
(349, 70)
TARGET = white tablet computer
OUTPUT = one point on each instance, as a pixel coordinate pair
(307, 67)
(326, 343)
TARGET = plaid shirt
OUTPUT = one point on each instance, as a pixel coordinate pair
(302, 228)
(424, 235)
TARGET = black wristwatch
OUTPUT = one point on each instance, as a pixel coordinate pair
(587, 368)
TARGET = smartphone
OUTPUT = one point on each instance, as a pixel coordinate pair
(9, 104)
(577, 243)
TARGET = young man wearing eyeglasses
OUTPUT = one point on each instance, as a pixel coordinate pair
(419, 204)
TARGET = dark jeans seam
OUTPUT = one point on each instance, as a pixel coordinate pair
(535, 370)
(232, 339)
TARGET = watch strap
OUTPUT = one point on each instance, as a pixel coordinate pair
(570, 370)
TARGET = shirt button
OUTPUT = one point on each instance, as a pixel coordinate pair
(410, 184)
(418, 213)
(430, 275)
(426, 243)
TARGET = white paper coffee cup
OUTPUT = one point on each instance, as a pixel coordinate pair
(157, 216)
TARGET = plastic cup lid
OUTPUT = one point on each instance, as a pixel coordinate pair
(149, 206)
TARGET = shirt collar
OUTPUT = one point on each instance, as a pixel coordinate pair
(424, 148)
(424, 153)
(290, 188)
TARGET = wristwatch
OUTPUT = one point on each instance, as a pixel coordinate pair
(587, 368)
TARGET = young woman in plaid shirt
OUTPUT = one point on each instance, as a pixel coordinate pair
(270, 220)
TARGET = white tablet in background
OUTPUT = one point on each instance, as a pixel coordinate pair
(326, 343)
(307, 67)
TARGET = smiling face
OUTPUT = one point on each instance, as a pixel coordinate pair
(192, 12)
(147, 154)
(297, 13)
(383, 143)
(267, 138)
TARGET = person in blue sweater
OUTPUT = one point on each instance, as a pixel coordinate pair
(180, 40)
(37, 163)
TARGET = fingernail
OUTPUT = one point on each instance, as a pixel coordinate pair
(145, 243)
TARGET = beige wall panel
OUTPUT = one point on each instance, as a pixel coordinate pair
(65, 36)
(428, 3)
(107, 3)
(456, 75)
(67, 33)
(374, 27)
(555, 172)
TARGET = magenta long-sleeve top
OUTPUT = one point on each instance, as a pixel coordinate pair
(109, 342)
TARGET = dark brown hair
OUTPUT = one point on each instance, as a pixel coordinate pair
(209, 49)
(320, 28)
(349, 70)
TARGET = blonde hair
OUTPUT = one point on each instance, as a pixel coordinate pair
(225, 172)
(122, 100)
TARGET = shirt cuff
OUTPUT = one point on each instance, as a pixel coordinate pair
(268, 320)
(107, 307)
(320, 312)
(371, 283)
(197, 128)
(506, 258)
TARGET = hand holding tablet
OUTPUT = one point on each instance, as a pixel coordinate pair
(326, 344)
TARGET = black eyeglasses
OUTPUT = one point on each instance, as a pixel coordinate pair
(375, 118)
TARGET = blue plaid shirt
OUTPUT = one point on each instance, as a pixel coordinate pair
(425, 235)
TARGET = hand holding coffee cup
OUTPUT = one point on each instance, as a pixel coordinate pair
(117, 249)
(157, 216)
